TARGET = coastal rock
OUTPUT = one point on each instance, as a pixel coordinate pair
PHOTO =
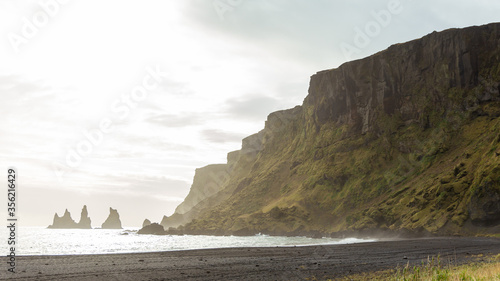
(113, 220)
(153, 228)
(146, 223)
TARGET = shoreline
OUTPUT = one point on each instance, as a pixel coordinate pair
(271, 263)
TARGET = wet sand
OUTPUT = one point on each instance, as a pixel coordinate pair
(278, 263)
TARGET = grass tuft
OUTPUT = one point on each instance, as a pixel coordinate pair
(433, 270)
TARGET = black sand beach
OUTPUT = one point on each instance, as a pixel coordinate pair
(279, 263)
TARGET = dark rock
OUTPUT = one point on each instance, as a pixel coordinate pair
(113, 220)
(484, 207)
(357, 92)
(174, 231)
(244, 232)
(153, 228)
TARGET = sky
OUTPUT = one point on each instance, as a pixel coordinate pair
(116, 103)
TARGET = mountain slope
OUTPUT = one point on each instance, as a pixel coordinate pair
(407, 139)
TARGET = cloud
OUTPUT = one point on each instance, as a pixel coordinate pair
(131, 183)
(20, 86)
(145, 143)
(18, 93)
(313, 33)
(174, 121)
(219, 136)
(295, 29)
(251, 107)
(145, 186)
(224, 78)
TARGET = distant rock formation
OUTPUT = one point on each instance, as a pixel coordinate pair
(63, 222)
(113, 220)
(67, 222)
(84, 219)
(153, 228)
(146, 223)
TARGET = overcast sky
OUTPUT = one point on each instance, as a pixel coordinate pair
(115, 103)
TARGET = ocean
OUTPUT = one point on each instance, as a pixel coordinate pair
(43, 241)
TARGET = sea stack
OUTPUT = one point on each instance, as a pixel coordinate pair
(153, 228)
(63, 222)
(146, 223)
(84, 219)
(67, 222)
(113, 220)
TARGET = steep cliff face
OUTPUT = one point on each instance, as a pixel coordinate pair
(406, 139)
(206, 183)
(113, 220)
(408, 80)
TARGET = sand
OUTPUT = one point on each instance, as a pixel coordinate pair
(277, 263)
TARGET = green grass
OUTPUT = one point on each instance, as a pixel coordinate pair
(433, 270)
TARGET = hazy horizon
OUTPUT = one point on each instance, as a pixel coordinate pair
(116, 104)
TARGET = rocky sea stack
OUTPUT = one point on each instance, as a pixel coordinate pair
(67, 222)
(113, 220)
(84, 219)
(146, 222)
(404, 141)
(153, 228)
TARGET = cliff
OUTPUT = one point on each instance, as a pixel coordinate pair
(206, 183)
(67, 222)
(406, 140)
(113, 220)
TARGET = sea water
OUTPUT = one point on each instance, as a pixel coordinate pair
(43, 241)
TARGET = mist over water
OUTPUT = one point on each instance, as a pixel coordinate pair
(42, 241)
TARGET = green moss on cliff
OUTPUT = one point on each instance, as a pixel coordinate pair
(425, 157)
(407, 177)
